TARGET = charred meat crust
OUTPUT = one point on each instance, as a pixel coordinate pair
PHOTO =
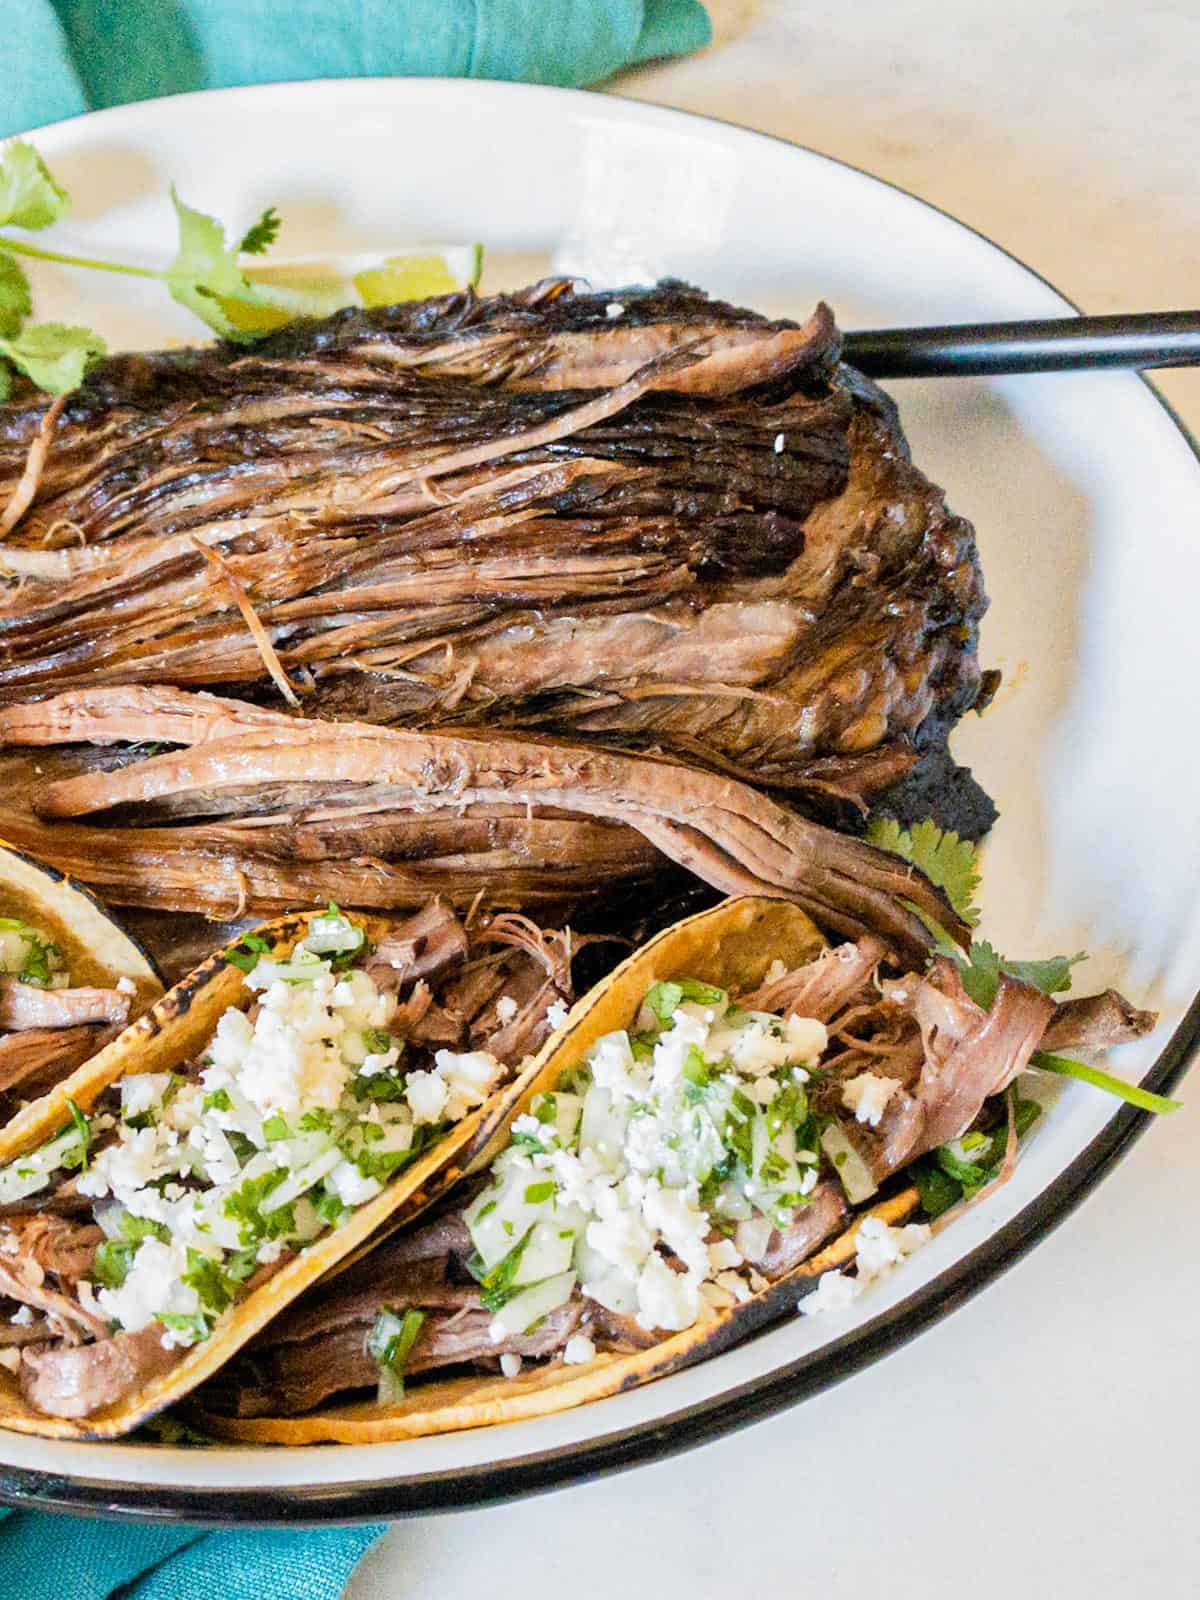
(739, 566)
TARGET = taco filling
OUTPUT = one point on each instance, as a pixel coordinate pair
(687, 1163)
(134, 1230)
(49, 1022)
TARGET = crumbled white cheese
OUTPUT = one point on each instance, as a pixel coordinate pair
(724, 1254)
(675, 1215)
(126, 985)
(733, 1284)
(613, 1068)
(613, 310)
(556, 1013)
(618, 1234)
(765, 1043)
(22, 1316)
(778, 444)
(868, 1096)
(879, 1247)
(294, 1061)
(506, 1009)
(834, 1292)
(671, 1052)
(666, 1299)
(510, 1365)
(777, 970)
(578, 1350)
(153, 1285)
(132, 1163)
(469, 1077)
(427, 1094)
(143, 1092)
(497, 1332)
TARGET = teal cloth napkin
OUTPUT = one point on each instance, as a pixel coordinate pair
(50, 1558)
(62, 57)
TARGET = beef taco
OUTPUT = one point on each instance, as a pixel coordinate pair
(324, 1076)
(738, 1118)
(70, 978)
(683, 1161)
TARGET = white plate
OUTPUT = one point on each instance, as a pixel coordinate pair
(1070, 480)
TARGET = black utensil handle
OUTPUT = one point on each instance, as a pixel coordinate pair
(1153, 339)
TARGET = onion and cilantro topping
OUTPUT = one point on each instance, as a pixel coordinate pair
(390, 1345)
(29, 956)
(300, 1112)
(657, 1170)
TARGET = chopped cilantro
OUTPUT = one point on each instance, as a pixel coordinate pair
(84, 1129)
(218, 1100)
(275, 1127)
(378, 1041)
(944, 1177)
(664, 999)
(196, 1326)
(329, 1208)
(497, 1285)
(214, 1288)
(243, 1206)
(536, 1193)
(380, 1087)
(390, 1345)
(111, 1263)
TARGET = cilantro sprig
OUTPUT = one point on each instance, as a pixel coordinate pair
(951, 864)
(205, 276)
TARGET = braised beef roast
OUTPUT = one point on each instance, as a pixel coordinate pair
(652, 524)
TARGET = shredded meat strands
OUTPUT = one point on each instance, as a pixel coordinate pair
(25, 493)
(253, 621)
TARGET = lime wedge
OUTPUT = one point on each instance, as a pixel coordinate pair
(418, 274)
(317, 286)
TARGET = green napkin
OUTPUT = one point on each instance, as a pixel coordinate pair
(66, 56)
(48, 1558)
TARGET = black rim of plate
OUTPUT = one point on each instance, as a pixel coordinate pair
(466, 1488)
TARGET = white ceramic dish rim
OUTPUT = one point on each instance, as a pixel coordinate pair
(350, 1491)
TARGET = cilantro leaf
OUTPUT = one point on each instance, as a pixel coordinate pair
(981, 972)
(205, 271)
(16, 301)
(53, 355)
(261, 235)
(195, 1328)
(1051, 976)
(950, 863)
(29, 196)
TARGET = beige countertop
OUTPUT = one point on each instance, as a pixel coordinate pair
(1068, 132)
